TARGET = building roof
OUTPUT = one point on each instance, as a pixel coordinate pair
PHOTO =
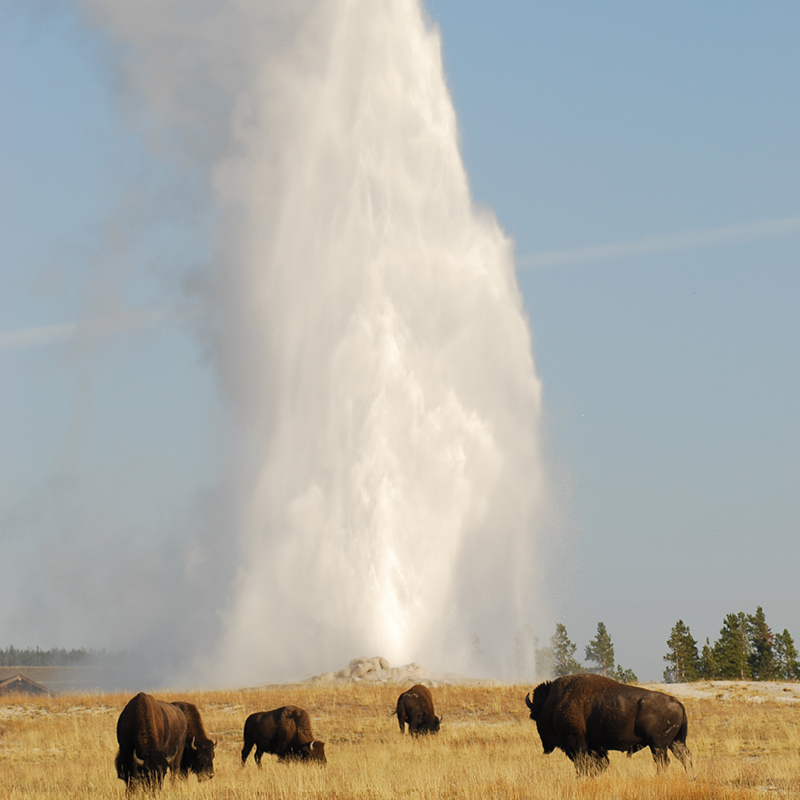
(19, 684)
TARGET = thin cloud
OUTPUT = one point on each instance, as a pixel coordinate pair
(730, 234)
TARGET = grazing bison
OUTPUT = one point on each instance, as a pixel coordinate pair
(286, 732)
(151, 736)
(198, 753)
(415, 707)
(588, 715)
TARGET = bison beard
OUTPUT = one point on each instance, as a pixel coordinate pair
(151, 736)
(285, 732)
(588, 715)
(415, 707)
(198, 753)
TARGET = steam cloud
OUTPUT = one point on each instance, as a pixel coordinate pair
(385, 487)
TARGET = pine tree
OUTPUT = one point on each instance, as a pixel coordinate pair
(708, 664)
(787, 666)
(682, 656)
(625, 675)
(564, 662)
(761, 644)
(732, 649)
(601, 651)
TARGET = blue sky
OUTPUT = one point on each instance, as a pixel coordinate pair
(669, 359)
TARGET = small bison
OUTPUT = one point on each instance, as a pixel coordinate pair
(415, 707)
(198, 753)
(286, 732)
(151, 736)
(588, 715)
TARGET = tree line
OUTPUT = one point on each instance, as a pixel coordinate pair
(747, 649)
(56, 657)
(559, 658)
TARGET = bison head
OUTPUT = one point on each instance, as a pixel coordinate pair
(314, 751)
(198, 757)
(540, 694)
(149, 768)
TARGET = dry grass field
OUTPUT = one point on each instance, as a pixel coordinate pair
(745, 745)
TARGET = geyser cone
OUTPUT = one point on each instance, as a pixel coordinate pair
(388, 394)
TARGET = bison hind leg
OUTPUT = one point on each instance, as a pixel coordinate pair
(682, 753)
(660, 757)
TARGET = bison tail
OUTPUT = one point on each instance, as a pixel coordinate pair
(401, 718)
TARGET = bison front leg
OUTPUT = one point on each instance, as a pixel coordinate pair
(587, 763)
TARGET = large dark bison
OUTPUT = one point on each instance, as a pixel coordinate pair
(415, 707)
(588, 715)
(198, 753)
(151, 736)
(286, 732)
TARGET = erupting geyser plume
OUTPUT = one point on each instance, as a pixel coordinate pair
(368, 332)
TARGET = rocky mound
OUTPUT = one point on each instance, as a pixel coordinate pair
(378, 670)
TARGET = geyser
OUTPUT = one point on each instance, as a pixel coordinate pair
(368, 332)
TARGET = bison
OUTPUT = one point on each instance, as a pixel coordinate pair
(198, 753)
(588, 715)
(286, 732)
(415, 707)
(151, 736)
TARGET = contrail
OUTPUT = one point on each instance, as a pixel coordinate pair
(99, 327)
(23, 338)
(764, 229)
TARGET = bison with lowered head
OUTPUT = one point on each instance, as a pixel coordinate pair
(198, 753)
(415, 707)
(588, 715)
(286, 732)
(151, 736)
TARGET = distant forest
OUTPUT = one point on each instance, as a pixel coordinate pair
(12, 657)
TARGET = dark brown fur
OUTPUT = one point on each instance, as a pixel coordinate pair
(151, 736)
(588, 715)
(286, 732)
(415, 707)
(198, 753)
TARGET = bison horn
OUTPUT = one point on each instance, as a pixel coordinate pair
(138, 761)
(171, 760)
(528, 701)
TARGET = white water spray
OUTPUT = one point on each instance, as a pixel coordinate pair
(369, 335)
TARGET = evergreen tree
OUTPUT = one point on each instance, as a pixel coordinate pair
(682, 656)
(732, 649)
(708, 664)
(761, 644)
(625, 675)
(601, 651)
(563, 649)
(787, 666)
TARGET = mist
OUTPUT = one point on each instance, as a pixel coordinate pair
(380, 486)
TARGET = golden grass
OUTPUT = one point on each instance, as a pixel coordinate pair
(64, 747)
